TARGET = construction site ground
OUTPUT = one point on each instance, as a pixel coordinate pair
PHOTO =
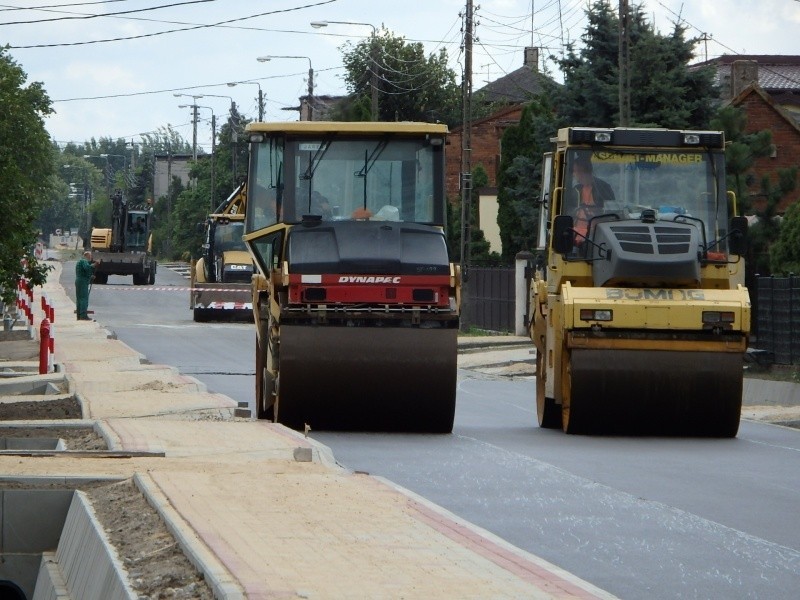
(201, 503)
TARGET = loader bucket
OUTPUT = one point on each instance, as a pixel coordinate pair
(652, 392)
(367, 378)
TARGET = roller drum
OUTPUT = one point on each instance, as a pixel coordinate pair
(652, 392)
(367, 378)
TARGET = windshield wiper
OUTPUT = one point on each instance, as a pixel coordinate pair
(369, 162)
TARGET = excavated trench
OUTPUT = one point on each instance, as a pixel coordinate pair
(77, 537)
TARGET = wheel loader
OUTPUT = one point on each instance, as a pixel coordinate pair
(221, 277)
(639, 312)
(355, 299)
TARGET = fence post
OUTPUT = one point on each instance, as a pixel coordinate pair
(521, 261)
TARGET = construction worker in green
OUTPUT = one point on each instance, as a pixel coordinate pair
(84, 271)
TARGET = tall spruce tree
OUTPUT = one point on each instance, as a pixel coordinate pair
(664, 91)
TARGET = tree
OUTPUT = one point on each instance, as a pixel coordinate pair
(411, 86)
(519, 179)
(669, 95)
(25, 174)
(785, 252)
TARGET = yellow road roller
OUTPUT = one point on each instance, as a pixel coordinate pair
(639, 312)
(355, 299)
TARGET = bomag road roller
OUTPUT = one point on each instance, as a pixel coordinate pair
(221, 277)
(355, 299)
(639, 314)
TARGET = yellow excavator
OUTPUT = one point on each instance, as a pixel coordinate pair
(221, 277)
(639, 313)
(355, 300)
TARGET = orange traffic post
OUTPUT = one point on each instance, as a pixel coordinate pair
(44, 347)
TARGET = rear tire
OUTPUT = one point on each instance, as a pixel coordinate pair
(570, 413)
(201, 315)
(547, 411)
(265, 384)
(152, 278)
(140, 278)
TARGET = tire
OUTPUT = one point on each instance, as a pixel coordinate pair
(200, 315)
(101, 278)
(547, 411)
(570, 415)
(265, 386)
(152, 278)
(140, 278)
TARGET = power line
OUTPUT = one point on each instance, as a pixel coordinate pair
(113, 14)
(192, 28)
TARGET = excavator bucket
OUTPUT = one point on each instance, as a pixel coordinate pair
(367, 378)
(652, 392)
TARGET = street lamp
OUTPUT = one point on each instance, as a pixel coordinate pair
(310, 80)
(260, 96)
(373, 58)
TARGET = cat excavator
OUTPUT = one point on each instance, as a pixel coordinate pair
(221, 277)
(639, 313)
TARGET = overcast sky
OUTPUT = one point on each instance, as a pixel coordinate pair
(126, 87)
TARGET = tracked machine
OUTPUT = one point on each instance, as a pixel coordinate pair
(355, 299)
(221, 277)
(126, 248)
(639, 314)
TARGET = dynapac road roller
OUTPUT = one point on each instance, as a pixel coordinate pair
(355, 300)
(639, 317)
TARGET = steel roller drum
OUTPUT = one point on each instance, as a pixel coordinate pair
(367, 378)
(653, 392)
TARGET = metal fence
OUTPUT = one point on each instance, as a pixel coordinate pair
(489, 299)
(777, 315)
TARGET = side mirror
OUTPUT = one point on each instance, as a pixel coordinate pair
(563, 234)
(737, 241)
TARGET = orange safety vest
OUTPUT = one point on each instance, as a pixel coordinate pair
(584, 212)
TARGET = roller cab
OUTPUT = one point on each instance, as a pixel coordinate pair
(355, 298)
(640, 318)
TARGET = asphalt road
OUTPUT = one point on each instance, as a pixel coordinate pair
(639, 517)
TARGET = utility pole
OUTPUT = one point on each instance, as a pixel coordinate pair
(466, 150)
(194, 132)
(624, 65)
(373, 69)
(213, 157)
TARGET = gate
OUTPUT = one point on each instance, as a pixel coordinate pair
(489, 299)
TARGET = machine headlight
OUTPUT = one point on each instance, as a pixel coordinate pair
(595, 314)
(715, 316)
